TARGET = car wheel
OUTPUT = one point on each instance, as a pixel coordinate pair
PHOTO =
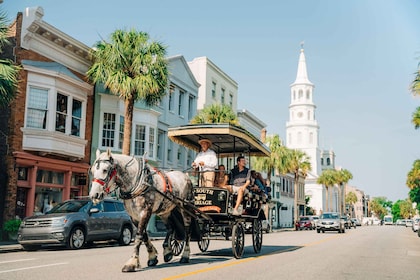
(126, 236)
(318, 231)
(77, 238)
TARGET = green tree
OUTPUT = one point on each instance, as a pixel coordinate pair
(416, 118)
(216, 113)
(8, 71)
(132, 67)
(413, 176)
(415, 89)
(328, 178)
(343, 177)
(298, 163)
(351, 199)
(414, 195)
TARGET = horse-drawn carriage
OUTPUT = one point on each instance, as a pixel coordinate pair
(217, 203)
(190, 212)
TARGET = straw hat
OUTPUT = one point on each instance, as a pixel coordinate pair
(204, 140)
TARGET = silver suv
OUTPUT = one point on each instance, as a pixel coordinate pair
(74, 223)
(330, 221)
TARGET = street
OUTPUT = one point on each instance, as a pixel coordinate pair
(368, 252)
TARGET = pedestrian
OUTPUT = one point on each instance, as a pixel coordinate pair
(205, 162)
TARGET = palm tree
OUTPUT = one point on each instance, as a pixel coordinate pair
(216, 113)
(415, 89)
(298, 163)
(133, 68)
(343, 177)
(276, 158)
(8, 71)
(416, 118)
(351, 199)
(413, 176)
(328, 178)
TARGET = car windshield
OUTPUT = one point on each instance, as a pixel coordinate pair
(329, 216)
(304, 218)
(71, 206)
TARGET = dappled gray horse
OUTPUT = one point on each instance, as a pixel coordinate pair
(145, 191)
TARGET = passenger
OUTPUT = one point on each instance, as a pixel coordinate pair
(240, 178)
(258, 185)
(221, 178)
(206, 162)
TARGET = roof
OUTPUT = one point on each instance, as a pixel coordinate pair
(228, 140)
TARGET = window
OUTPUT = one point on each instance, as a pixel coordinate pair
(108, 130)
(76, 117)
(213, 89)
(231, 100)
(160, 144)
(300, 94)
(179, 156)
(181, 103)
(151, 142)
(61, 113)
(299, 137)
(311, 137)
(121, 134)
(139, 140)
(171, 97)
(190, 107)
(37, 108)
(222, 97)
(308, 94)
(322, 161)
(109, 206)
(169, 156)
(328, 161)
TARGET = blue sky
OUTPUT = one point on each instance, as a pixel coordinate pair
(361, 55)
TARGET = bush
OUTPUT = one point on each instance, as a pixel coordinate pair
(12, 225)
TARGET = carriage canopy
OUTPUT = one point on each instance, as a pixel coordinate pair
(227, 140)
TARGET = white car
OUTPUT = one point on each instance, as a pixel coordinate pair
(416, 224)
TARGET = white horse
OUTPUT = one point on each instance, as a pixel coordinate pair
(145, 191)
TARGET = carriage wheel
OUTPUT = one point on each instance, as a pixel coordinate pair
(257, 235)
(203, 244)
(238, 240)
(177, 246)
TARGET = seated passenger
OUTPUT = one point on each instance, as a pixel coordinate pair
(221, 178)
(258, 184)
(240, 178)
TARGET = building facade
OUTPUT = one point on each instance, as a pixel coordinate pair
(49, 122)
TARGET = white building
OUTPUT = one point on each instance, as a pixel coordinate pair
(302, 132)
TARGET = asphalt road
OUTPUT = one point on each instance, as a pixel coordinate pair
(370, 252)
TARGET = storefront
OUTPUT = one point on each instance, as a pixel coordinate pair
(43, 182)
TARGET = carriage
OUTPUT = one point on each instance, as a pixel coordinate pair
(214, 205)
(189, 211)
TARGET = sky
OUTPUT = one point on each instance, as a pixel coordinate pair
(361, 56)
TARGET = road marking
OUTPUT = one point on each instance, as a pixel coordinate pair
(195, 272)
(21, 260)
(31, 267)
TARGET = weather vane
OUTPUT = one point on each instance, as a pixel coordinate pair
(301, 44)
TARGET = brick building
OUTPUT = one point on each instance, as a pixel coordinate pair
(45, 134)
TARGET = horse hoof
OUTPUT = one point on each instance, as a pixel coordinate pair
(168, 257)
(184, 260)
(128, 268)
(152, 262)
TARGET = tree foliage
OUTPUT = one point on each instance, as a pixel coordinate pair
(216, 113)
(8, 71)
(351, 198)
(132, 67)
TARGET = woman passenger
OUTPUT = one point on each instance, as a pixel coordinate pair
(221, 179)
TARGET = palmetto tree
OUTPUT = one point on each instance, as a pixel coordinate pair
(276, 159)
(343, 177)
(328, 178)
(416, 118)
(351, 199)
(216, 113)
(298, 163)
(132, 67)
(8, 71)
(415, 89)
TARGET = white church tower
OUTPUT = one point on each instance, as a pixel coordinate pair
(302, 132)
(302, 128)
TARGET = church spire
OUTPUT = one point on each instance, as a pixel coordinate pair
(302, 74)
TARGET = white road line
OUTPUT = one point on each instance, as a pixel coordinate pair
(31, 267)
(21, 260)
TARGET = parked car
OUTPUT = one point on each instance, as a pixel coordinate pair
(264, 223)
(75, 223)
(408, 223)
(416, 224)
(356, 222)
(305, 222)
(315, 218)
(330, 221)
(347, 222)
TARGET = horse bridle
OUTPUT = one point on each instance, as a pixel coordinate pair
(111, 173)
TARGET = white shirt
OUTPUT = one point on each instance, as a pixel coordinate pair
(209, 158)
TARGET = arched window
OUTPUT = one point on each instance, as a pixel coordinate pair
(322, 161)
(309, 115)
(300, 94)
(294, 95)
(308, 94)
(299, 137)
(311, 137)
(328, 161)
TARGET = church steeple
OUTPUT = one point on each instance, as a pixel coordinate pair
(302, 74)
(302, 130)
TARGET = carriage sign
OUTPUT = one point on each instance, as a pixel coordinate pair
(212, 200)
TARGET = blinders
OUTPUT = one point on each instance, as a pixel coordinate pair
(112, 172)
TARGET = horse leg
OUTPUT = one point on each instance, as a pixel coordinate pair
(134, 263)
(167, 249)
(186, 253)
(153, 259)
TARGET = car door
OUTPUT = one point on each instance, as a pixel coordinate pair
(96, 222)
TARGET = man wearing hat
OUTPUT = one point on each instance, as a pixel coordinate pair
(206, 161)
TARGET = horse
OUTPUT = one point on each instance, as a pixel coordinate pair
(145, 191)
